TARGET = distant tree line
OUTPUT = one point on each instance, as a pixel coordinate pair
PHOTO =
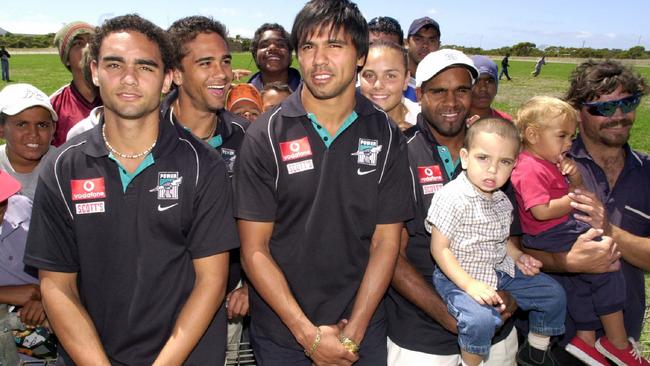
(530, 49)
(240, 44)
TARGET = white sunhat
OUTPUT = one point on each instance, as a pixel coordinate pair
(15, 98)
(435, 62)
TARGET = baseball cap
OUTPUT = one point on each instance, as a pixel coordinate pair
(436, 62)
(421, 22)
(486, 66)
(15, 98)
(243, 92)
(8, 185)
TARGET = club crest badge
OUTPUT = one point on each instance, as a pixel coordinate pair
(167, 187)
(229, 156)
(367, 152)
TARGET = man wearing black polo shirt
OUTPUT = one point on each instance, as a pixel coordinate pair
(322, 190)
(420, 328)
(203, 74)
(132, 220)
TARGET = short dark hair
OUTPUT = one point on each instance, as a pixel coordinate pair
(186, 29)
(499, 126)
(263, 28)
(134, 22)
(393, 46)
(3, 118)
(386, 25)
(277, 86)
(592, 79)
(339, 14)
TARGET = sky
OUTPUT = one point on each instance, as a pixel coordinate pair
(472, 23)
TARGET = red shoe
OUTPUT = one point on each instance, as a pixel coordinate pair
(585, 353)
(622, 357)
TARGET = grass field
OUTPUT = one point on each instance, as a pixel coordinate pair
(46, 72)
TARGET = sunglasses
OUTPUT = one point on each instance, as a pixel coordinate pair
(607, 109)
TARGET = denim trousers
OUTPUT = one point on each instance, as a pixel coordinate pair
(5, 69)
(540, 295)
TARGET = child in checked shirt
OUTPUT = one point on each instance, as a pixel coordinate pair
(540, 177)
(469, 220)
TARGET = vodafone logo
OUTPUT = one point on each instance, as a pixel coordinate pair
(295, 149)
(430, 174)
(87, 189)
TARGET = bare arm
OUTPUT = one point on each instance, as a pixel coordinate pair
(197, 313)
(479, 291)
(384, 247)
(69, 319)
(27, 296)
(634, 249)
(411, 284)
(552, 209)
(269, 281)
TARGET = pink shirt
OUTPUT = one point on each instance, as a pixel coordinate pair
(71, 107)
(500, 114)
(536, 182)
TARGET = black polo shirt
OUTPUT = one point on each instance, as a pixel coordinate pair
(408, 326)
(133, 246)
(226, 139)
(325, 203)
(228, 136)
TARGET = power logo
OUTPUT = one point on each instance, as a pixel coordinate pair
(88, 189)
(430, 174)
(295, 149)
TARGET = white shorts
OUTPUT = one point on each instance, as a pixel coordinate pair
(501, 354)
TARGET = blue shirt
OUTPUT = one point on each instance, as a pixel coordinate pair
(13, 236)
(293, 82)
(628, 207)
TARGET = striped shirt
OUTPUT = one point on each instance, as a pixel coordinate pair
(477, 227)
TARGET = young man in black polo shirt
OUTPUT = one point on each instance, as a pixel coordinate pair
(420, 328)
(322, 191)
(202, 76)
(132, 220)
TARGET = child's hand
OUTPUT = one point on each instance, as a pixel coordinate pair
(569, 168)
(483, 294)
(528, 265)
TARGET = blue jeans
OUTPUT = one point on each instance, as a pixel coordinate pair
(540, 295)
(5, 69)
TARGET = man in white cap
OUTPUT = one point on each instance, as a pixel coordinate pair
(420, 330)
(27, 123)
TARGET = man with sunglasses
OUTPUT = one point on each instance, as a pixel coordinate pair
(606, 95)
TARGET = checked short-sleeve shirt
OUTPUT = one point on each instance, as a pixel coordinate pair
(476, 226)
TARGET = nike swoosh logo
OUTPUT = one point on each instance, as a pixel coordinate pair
(361, 172)
(161, 208)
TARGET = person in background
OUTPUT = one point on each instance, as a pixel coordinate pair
(245, 101)
(386, 29)
(4, 62)
(423, 38)
(505, 64)
(27, 124)
(485, 89)
(272, 53)
(538, 66)
(74, 101)
(384, 78)
(273, 94)
(18, 284)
